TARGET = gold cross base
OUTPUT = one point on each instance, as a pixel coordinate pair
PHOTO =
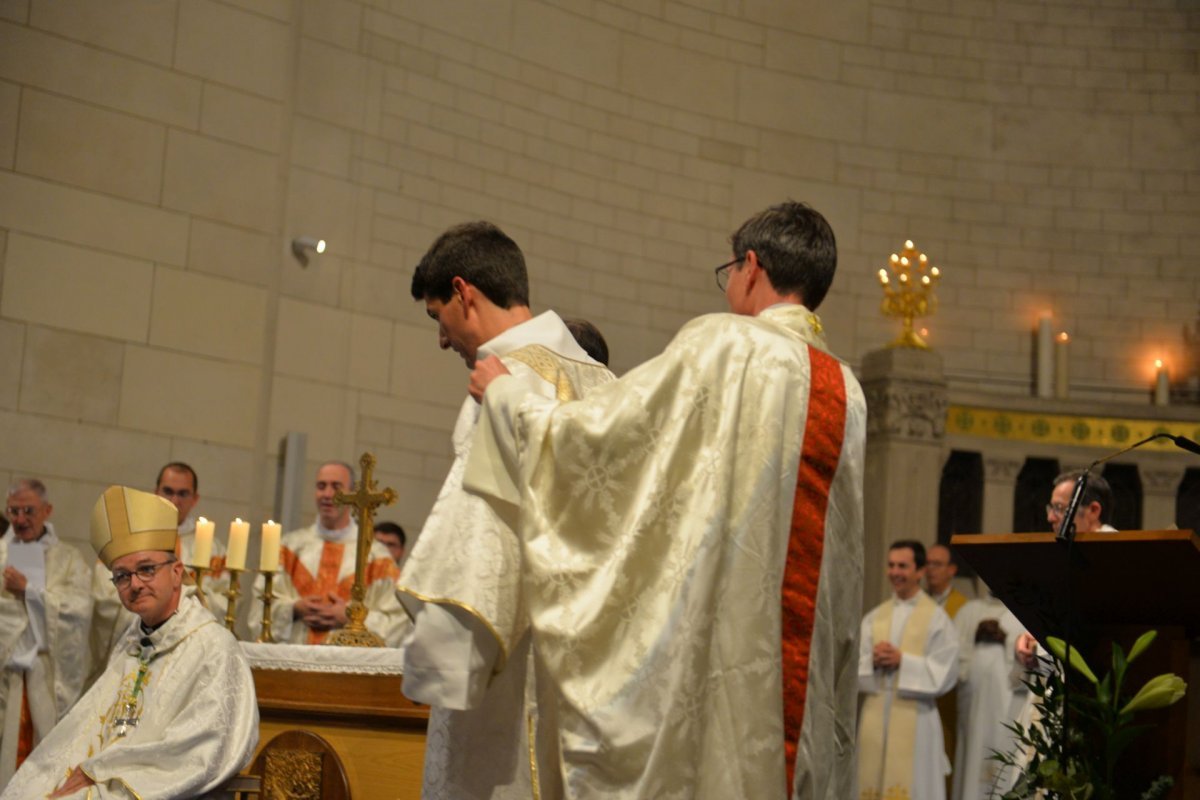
(355, 634)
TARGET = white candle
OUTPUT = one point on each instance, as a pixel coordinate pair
(1045, 363)
(268, 555)
(202, 550)
(239, 535)
(1060, 364)
(1162, 384)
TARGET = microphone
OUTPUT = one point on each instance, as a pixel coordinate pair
(1066, 531)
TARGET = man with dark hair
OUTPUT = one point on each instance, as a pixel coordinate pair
(940, 569)
(44, 613)
(692, 541)
(468, 656)
(589, 338)
(1095, 507)
(391, 536)
(907, 658)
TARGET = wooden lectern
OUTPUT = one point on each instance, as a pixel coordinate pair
(1112, 587)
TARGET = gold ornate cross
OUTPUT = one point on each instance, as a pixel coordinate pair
(365, 500)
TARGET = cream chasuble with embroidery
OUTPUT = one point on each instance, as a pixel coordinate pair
(901, 751)
(468, 655)
(191, 724)
(314, 560)
(655, 519)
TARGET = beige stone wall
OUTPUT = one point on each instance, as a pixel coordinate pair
(157, 157)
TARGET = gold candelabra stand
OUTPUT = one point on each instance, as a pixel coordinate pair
(911, 294)
(200, 595)
(267, 596)
(233, 594)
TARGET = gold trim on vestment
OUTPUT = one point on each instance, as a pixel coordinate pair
(446, 601)
(530, 733)
(1028, 426)
(545, 363)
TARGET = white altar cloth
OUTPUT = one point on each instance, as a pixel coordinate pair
(325, 658)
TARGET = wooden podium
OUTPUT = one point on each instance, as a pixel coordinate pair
(1112, 587)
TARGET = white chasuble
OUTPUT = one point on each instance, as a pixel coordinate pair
(316, 561)
(173, 716)
(468, 655)
(901, 752)
(655, 518)
(43, 644)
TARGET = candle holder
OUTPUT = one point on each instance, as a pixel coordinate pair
(267, 596)
(232, 595)
(912, 296)
(200, 595)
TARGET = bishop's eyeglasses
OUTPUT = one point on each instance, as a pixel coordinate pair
(722, 272)
(144, 572)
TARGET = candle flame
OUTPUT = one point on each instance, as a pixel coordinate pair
(1158, 363)
(1063, 337)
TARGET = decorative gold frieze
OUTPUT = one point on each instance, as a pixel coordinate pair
(1025, 426)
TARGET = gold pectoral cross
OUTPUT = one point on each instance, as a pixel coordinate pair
(365, 499)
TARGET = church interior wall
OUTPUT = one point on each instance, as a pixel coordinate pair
(158, 156)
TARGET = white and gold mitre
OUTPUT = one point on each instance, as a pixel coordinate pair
(127, 521)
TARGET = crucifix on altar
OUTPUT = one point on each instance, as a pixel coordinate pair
(365, 498)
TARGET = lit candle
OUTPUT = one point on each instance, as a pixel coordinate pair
(1060, 364)
(239, 535)
(202, 550)
(1162, 384)
(268, 555)
(1045, 363)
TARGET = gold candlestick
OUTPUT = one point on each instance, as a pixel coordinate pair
(232, 595)
(203, 598)
(267, 597)
(913, 294)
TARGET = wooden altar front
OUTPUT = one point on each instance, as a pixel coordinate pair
(377, 733)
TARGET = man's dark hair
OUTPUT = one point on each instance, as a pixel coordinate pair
(1096, 491)
(589, 338)
(178, 466)
(917, 548)
(483, 256)
(795, 245)
(392, 527)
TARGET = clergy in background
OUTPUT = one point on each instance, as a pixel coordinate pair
(177, 483)
(908, 657)
(692, 541)
(174, 714)
(940, 571)
(44, 612)
(316, 573)
(468, 656)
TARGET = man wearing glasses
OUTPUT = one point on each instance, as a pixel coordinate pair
(1095, 507)
(44, 613)
(177, 483)
(692, 541)
(174, 714)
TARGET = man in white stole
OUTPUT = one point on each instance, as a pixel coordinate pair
(667, 522)
(43, 625)
(468, 655)
(908, 657)
(178, 483)
(174, 715)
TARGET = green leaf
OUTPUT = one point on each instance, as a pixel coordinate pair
(1141, 644)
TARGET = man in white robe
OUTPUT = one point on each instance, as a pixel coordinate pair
(174, 714)
(692, 541)
(177, 482)
(908, 657)
(316, 574)
(1095, 511)
(468, 654)
(44, 611)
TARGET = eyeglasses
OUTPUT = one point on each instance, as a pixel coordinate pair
(168, 492)
(1057, 509)
(145, 573)
(28, 511)
(722, 272)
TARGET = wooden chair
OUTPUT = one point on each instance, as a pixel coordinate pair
(300, 765)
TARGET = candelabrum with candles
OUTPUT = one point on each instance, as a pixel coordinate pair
(910, 294)
(201, 555)
(235, 562)
(268, 563)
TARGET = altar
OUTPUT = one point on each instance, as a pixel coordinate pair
(350, 697)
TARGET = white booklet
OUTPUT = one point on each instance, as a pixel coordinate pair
(29, 558)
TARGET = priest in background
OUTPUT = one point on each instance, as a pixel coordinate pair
(177, 483)
(174, 714)
(316, 574)
(44, 613)
(908, 657)
(940, 571)
(692, 541)
(468, 656)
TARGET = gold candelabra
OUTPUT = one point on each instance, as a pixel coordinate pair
(200, 595)
(267, 596)
(911, 295)
(233, 594)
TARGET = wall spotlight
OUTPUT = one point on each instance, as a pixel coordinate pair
(302, 245)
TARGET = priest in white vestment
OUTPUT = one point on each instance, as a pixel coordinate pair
(44, 611)
(174, 714)
(692, 541)
(316, 574)
(468, 655)
(177, 482)
(908, 657)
